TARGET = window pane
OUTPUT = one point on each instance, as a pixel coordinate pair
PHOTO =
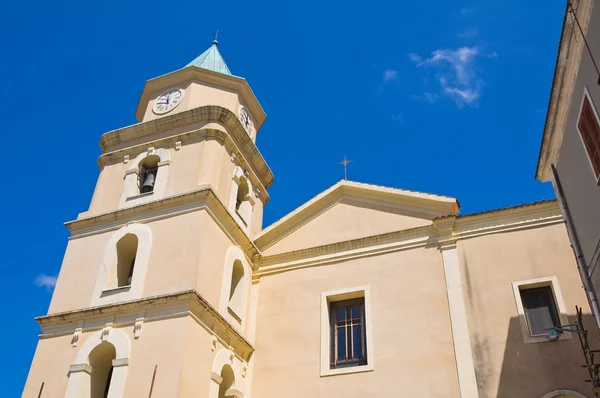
(357, 341)
(540, 309)
(340, 314)
(341, 344)
(356, 311)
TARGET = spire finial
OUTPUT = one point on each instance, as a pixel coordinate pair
(216, 40)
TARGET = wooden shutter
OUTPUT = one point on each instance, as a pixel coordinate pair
(540, 309)
(589, 128)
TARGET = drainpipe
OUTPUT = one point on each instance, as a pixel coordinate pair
(581, 266)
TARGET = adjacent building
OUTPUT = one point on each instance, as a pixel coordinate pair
(570, 150)
(171, 287)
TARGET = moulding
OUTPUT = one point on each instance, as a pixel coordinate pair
(465, 227)
(207, 131)
(410, 201)
(185, 303)
(566, 70)
(203, 198)
(203, 75)
(233, 133)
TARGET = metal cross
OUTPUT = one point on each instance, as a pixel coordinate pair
(217, 35)
(345, 163)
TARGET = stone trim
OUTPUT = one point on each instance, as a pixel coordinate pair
(185, 303)
(80, 367)
(463, 354)
(120, 362)
(444, 230)
(203, 198)
(337, 295)
(563, 84)
(235, 135)
(216, 378)
(551, 281)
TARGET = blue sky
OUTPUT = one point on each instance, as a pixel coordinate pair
(446, 97)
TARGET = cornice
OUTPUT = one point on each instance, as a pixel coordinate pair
(113, 140)
(444, 233)
(203, 198)
(191, 73)
(568, 60)
(214, 131)
(185, 303)
(416, 202)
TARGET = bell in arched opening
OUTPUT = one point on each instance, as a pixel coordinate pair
(147, 176)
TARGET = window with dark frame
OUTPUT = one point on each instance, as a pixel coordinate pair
(348, 337)
(540, 309)
(589, 128)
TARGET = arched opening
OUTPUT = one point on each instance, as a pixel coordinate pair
(147, 173)
(228, 380)
(236, 294)
(242, 203)
(100, 360)
(126, 253)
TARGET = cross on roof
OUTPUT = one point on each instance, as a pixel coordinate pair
(345, 163)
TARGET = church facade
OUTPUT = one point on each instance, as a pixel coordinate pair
(170, 286)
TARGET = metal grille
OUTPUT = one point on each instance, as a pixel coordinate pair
(348, 342)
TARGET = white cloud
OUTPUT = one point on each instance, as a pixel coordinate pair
(414, 57)
(427, 97)
(389, 75)
(456, 74)
(47, 281)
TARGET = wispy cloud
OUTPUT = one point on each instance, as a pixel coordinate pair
(399, 118)
(427, 97)
(47, 281)
(415, 57)
(390, 75)
(456, 73)
(468, 34)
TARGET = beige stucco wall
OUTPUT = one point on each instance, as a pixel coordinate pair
(506, 366)
(181, 357)
(192, 258)
(413, 349)
(346, 220)
(197, 94)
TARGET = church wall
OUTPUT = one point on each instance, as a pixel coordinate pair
(412, 338)
(346, 220)
(505, 365)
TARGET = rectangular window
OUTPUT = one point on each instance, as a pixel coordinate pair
(346, 332)
(348, 340)
(540, 310)
(589, 129)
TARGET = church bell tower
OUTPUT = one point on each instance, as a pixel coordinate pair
(155, 295)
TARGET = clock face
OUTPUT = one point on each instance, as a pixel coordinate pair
(246, 120)
(167, 101)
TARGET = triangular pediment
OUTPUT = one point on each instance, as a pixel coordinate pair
(350, 210)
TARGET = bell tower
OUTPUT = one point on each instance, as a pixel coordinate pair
(155, 296)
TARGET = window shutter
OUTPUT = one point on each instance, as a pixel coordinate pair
(589, 128)
(540, 309)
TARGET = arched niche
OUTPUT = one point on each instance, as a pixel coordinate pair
(105, 291)
(130, 194)
(235, 288)
(104, 345)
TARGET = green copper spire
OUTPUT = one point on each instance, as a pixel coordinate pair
(211, 59)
